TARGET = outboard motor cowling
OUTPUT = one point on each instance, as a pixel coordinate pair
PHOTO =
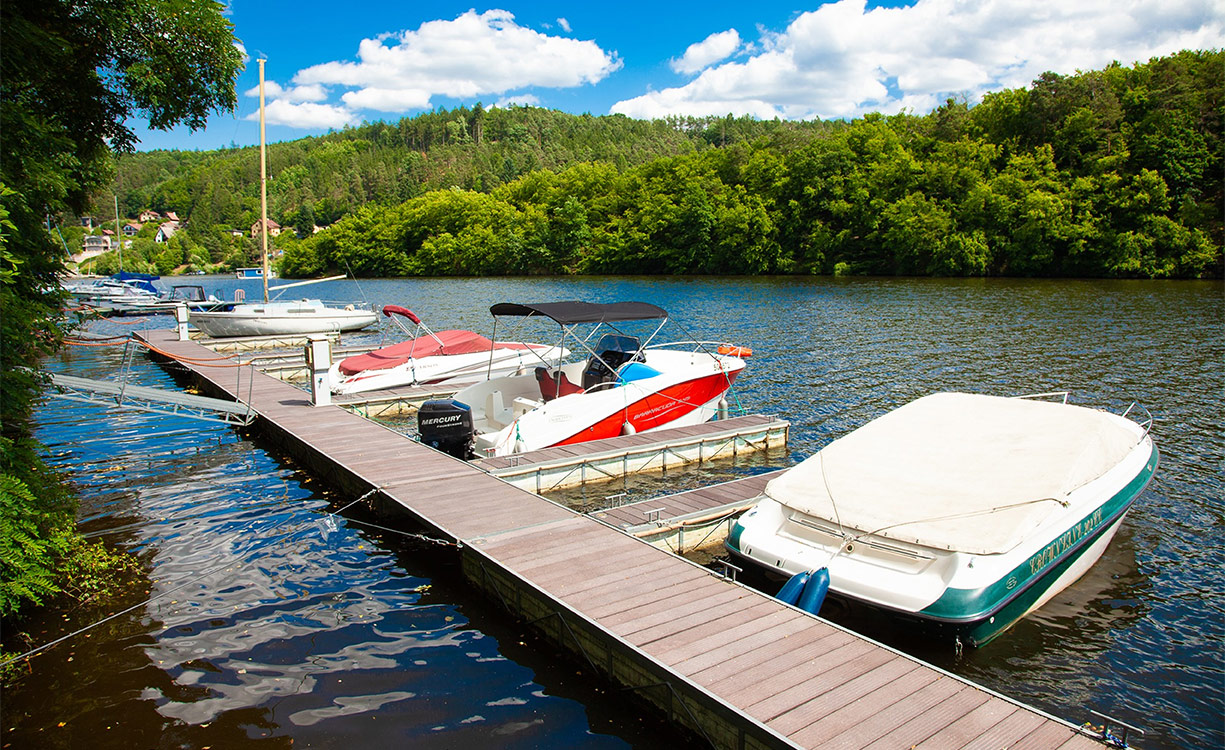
(446, 425)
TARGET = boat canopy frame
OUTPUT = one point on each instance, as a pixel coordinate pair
(570, 314)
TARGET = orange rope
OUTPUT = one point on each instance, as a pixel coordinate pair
(191, 360)
(115, 340)
(80, 342)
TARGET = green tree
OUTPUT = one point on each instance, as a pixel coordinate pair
(73, 74)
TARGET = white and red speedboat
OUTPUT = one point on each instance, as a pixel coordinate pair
(622, 386)
(444, 357)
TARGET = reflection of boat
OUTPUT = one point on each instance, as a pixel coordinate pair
(443, 357)
(622, 387)
(277, 318)
(960, 512)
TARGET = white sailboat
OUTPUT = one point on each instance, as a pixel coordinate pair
(272, 317)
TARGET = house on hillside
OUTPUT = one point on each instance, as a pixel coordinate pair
(149, 215)
(172, 216)
(97, 243)
(274, 229)
(165, 232)
(236, 233)
(130, 229)
(87, 222)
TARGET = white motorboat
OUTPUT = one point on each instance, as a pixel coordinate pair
(121, 289)
(959, 513)
(302, 316)
(451, 356)
(622, 385)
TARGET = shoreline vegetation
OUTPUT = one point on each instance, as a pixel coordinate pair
(1109, 173)
(74, 73)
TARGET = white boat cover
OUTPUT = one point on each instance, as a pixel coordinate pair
(956, 471)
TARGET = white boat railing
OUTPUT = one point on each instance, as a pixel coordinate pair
(1147, 423)
(697, 345)
(1063, 395)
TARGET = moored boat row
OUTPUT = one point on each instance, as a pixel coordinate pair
(957, 513)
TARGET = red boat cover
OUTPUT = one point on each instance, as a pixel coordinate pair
(453, 342)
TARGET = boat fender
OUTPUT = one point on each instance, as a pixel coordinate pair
(790, 592)
(814, 592)
(628, 429)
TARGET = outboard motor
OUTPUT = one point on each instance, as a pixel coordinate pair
(446, 425)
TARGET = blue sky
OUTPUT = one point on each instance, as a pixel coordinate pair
(330, 64)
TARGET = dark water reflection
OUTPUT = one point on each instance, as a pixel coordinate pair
(300, 634)
(273, 623)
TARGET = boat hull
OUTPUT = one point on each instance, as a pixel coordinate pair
(441, 370)
(281, 319)
(511, 417)
(1011, 586)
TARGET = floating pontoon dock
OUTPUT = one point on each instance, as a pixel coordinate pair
(737, 667)
(689, 520)
(601, 460)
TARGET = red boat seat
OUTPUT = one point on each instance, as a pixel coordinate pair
(549, 386)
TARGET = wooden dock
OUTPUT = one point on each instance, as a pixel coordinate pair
(736, 667)
(691, 520)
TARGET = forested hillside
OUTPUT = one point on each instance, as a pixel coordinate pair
(1115, 172)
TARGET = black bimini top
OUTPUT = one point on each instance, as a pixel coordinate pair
(582, 312)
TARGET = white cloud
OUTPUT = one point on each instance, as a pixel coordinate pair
(705, 53)
(273, 90)
(306, 115)
(470, 56)
(843, 60)
(300, 107)
(519, 100)
(387, 100)
(564, 24)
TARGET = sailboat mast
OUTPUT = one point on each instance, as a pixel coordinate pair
(263, 181)
(118, 234)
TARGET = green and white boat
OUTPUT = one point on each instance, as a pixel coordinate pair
(961, 513)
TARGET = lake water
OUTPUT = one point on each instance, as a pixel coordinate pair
(277, 623)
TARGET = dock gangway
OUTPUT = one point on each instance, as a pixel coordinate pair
(149, 399)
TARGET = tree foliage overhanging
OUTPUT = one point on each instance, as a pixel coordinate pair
(1112, 173)
(71, 74)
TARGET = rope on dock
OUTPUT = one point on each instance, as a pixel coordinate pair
(115, 340)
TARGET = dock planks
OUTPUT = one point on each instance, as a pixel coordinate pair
(744, 670)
